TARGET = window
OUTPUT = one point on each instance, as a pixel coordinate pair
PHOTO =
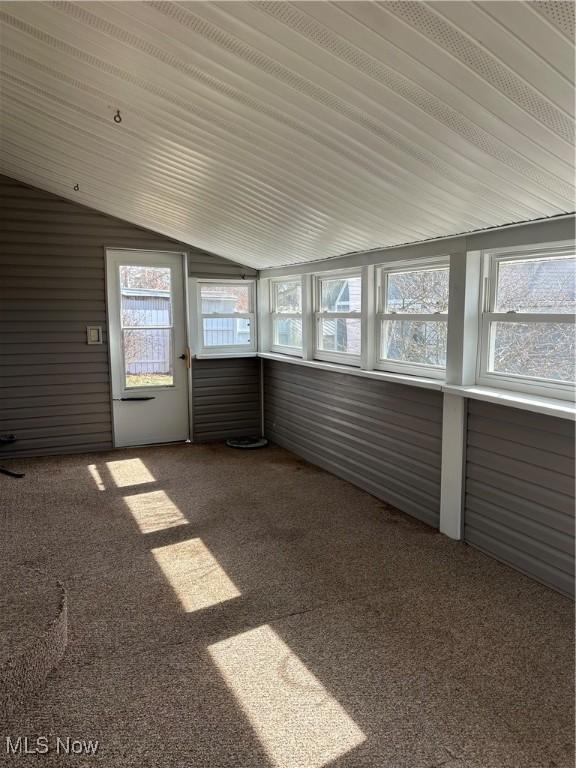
(227, 321)
(147, 326)
(528, 332)
(286, 305)
(338, 318)
(412, 319)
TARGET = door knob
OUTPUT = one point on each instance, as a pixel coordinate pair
(186, 356)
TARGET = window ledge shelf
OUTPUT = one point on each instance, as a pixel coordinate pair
(564, 409)
(397, 378)
(221, 356)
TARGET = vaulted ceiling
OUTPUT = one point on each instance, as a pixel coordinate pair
(273, 132)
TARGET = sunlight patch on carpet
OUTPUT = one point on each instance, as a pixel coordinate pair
(296, 719)
(195, 575)
(129, 472)
(93, 469)
(154, 511)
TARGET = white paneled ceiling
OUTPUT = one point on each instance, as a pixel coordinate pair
(273, 133)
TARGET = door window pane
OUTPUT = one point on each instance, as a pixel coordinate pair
(342, 294)
(225, 299)
(537, 285)
(288, 331)
(148, 357)
(146, 321)
(541, 350)
(139, 311)
(421, 291)
(147, 278)
(146, 299)
(414, 341)
(340, 335)
(226, 331)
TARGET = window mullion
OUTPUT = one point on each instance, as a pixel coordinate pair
(368, 354)
(463, 317)
(308, 320)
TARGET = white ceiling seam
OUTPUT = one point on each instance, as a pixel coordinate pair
(279, 133)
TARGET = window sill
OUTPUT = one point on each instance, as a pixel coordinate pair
(535, 403)
(397, 378)
(287, 351)
(221, 355)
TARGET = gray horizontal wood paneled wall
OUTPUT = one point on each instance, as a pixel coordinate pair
(226, 396)
(54, 388)
(385, 438)
(520, 491)
(206, 265)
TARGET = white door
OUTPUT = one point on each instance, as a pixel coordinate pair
(148, 347)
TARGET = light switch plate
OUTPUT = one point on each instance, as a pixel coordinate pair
(93, 334)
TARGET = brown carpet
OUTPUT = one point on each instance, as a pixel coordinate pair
(246, 609)
(33, 634)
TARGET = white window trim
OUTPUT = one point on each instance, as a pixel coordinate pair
(464, 320)
(518, 383)
(234, 350)
(398, 366)
(340, 358)
(283, 349)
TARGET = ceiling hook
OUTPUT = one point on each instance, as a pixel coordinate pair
(117, 117)
(76, 187)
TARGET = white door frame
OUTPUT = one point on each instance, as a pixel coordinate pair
(113, 352)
